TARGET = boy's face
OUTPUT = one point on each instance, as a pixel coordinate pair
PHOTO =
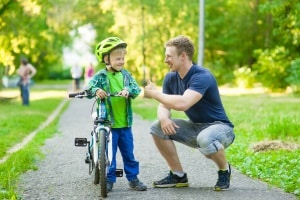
(117, 59)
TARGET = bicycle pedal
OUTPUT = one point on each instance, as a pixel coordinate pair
(81, 142)
(119, 172)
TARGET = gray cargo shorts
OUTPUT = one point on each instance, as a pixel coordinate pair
(207, 137)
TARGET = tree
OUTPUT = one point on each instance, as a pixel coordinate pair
(274, 62)
(238, 34)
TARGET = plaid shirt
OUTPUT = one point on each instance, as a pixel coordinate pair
(100, 81)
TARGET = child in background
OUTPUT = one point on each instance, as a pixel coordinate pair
(89, 72)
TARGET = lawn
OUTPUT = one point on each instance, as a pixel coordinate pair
(16, 122)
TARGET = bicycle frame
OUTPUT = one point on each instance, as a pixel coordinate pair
(99, 155)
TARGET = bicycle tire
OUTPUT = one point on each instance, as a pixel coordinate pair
(91, 163)
(96, 174)
(102, 162)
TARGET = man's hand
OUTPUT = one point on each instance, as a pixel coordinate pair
(168, 126)
(149, 90)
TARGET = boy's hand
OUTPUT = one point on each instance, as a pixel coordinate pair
(101, 94)
(149, 90)
(124, 93)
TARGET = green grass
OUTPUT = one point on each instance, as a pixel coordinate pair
(16, 122)
(54, 82)
(256, 118)
(22, 161)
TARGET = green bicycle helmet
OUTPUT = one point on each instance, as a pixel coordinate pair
(107, 45)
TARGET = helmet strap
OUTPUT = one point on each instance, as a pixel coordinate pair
(114, 69)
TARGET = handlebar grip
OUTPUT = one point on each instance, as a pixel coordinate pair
(72, 95)
(77, 94)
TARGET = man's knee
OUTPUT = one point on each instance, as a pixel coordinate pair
(208, 148)
(203, 141)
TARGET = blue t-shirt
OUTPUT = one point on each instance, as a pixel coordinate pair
(210, 108)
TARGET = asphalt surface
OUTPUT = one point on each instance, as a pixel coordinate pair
(64, 175)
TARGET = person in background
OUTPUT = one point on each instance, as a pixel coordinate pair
(76, 73)
(89, 72)
(115, 79)
(26, 71)
(194, 90)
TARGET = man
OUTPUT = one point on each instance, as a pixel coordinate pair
(26, 71)
(192, 89)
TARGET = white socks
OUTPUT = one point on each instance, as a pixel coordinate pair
(180, 174)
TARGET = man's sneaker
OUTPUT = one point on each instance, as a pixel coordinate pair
(172, 180)
(223, 182)
(137, 185)
(109, 186)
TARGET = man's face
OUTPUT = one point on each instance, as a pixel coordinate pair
(172, 59)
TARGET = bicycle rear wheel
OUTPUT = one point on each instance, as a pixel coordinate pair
(102, 162)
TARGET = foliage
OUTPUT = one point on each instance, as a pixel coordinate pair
(279, 168)
(41, 29)
(28, 35)
(244, 77)
(283, 44)
(294, 75)
(285, 17)
(271, 67)
(275, 118)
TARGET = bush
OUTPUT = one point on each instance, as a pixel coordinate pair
(61, 74)
(272, 68)
(244, 77)
(294, 76)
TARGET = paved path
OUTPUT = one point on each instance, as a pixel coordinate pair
(64, 175)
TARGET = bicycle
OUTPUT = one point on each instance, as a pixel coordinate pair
(99, 154)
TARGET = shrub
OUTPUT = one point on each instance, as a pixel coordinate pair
(294, 75)
(272, 68)
(244, 77)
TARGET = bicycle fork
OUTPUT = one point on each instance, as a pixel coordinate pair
(92, 155)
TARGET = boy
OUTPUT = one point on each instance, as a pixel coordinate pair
(115, 79)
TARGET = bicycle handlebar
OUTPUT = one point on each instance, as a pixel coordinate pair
(85, 93)
(78, 94)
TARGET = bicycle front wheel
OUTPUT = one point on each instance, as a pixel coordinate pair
(102, 162)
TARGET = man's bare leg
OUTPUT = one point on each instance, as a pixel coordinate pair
(168, 150)
(219, 158)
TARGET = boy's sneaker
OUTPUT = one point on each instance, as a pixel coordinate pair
(172, 180)
(137, 185)
(223, 182)
(109, 186)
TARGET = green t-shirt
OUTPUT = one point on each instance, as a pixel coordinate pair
(118, 103)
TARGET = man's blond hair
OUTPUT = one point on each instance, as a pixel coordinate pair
(182, 44)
